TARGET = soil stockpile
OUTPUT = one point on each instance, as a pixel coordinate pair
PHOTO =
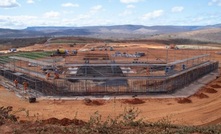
(209, 90)
(134, 101)
(184, 100)
(201, 95)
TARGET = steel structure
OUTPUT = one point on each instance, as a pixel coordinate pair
(110, 77)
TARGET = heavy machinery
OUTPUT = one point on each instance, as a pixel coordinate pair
(172, 46)
(62, 52)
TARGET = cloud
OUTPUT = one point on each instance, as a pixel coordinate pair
(95, 9)
(215, 2)
(88, 15)
(69, 5)
(126, 13)
(177, 9)
(9, 3)
(51, 14)
(152, 15)
(130, 6)
(130, 1)
(18, 22)
(30, 1)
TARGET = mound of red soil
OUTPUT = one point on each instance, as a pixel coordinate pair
(184, 100)
(209, 90)
(63, 122)
(134, 101)
(97, 102)
(201, 95)
(216, 86)
(93, 102)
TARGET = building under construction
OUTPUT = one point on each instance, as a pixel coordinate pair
(107, 73)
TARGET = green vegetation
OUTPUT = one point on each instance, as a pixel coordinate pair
(67, 41)
(125, 123)
(4, 59)
(34, 55)
(189, 41)
(74, 40)
(5, 115)
(31, 55)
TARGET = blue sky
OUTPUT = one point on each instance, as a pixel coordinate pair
(19, 14)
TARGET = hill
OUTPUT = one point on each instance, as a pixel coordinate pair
(204, 33)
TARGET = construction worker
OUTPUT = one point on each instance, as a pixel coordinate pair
(16, 83)
(47, 75)
(25, 85)
(147, 71)
(56, 75)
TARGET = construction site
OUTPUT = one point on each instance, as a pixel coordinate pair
(105, 69)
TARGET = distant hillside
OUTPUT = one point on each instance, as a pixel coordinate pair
(7, 43)
(107, 32)
(205, 34)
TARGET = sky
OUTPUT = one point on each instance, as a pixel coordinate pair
(19, 14)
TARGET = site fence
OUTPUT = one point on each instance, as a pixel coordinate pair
(125, 86)
(146, 85)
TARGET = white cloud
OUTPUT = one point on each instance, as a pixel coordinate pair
(177, 9)
(8, 3)
(130, 1)
(126, 13)
(51, 14)
(30, 1)
(18, 22)
(95, 9)
(152, 15)
(87, 16)
(83, 17)
(69, 5)
(130, 6)
(215, 2)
